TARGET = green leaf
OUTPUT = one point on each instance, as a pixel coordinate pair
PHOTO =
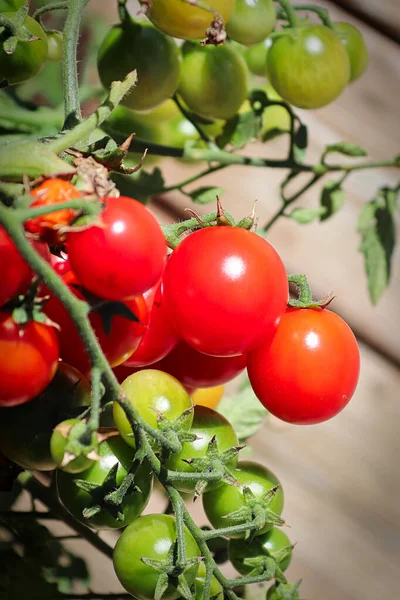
(332, 199)
(244, 411)
(241, 129)
(205, 195)
(306, 215)
(378, 237)
(31, 159)
(346, 148)
(140, 185)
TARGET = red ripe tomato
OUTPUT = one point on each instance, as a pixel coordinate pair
(226, 289)
(52, 191)
(123, 338)
(15, 272)
(28, 359)
(160, 337)
(310, 370)
(123, 257)
(195, 370)
(60, 264)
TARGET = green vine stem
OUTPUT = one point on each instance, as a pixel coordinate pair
(321, 12)
(289, 11)
(61, 5)
(195, 124)
(72, 107)
(8, 24)
(123, 11)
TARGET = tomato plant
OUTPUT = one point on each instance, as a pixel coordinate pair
(356, 47)
(28, 57)
(251, 22)
(119, 328)
(206, 285)
(116, 456)
(29, 355)
(156, 57)
(25, 430)
(219, 504)
(267, 544)
(152, 392)
(184, 20)
(207, 424)
(310, 370)
(309, 69)
(150, 536)
(123, 256)
(213, 80)
(216, 591)
(160, 337)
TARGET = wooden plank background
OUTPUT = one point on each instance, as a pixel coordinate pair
(341, 479)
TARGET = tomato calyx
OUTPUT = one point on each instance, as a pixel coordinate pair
(215, 34)
(109, 496)
(256, 511)
(172, 570)
(215, 462)
(267, 564)
(176, 430)
(284, 591)
(303, 295)
(28, 307)
(107, 153)
(16, 31)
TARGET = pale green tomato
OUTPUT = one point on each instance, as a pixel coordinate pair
(256, 57)
(354, 42)
(251, 21)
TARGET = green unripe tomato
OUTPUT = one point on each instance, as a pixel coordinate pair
(112, 451)
(54, 45)
(354, 42)
(151, 391)
(216, 590)
(133, 45)
(213, 80)
(26, 430)
(309, 68)
(251, 21)
(227, 499)
(256, 57)
(150, 536)
(186, 21)
(28, 57)
(271, 541)
(58, 443)
(207, 423)
(275, 119)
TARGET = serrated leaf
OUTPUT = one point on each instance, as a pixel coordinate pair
(244, 411)
(306, 215)
(378, 237)
(241, 129)
(332, 199)
(346, 148)
(207, 194)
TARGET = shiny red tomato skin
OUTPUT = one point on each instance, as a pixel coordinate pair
(60, 264)
(226, 289)
(122, 258)
(28, 359)
(123, 339)
(160, 337)
(197, 370)
(310, 370)
(15, 272)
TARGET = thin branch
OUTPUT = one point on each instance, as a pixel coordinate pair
(62, 5)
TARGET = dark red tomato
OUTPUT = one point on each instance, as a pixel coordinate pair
(198, 370)
(15, 273)
(123, 257)
(310, 370)
(226, 289)
(160, 337)
(123, 338)
(52, 191)
(28, 359)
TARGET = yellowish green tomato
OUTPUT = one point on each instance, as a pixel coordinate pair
(213, 80)
(275, 119)
(28, 57)
(256, 57)
(251, 21)
(156, 57)
(54, 45)
(183, 20)
(152, 392)
(216, 590)
(354, 42)
(310, 67)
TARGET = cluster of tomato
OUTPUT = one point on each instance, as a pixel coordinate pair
(166, 324)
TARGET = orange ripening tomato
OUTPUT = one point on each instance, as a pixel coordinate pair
(209, 397)
(52, 191)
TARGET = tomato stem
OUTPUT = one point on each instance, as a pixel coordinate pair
(61, 5)
(289, 12)
(321, 12)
